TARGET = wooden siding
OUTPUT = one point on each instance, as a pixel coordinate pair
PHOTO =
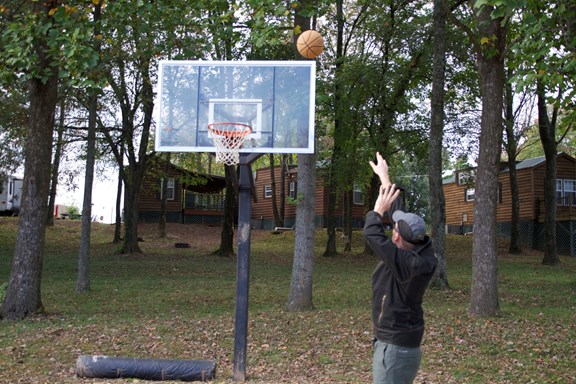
(458, 211)
(525, 179)
(150, 192)
(149, 200)
(262, 208)
(531, 192)
(565, 170)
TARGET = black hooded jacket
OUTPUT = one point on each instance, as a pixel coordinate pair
(398, 284)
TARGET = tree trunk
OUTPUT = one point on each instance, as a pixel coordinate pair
(131, 192)
(372, 195)
(227, 235)
(83, 279)
(301, 284)
(347, 230)
(283, 188)
(511, 149)
(277, 221)
(164, 201)
(137, 162)
(484, 293)
(514, 247)
(437, 200)
(338, 136)
(23, 297)
(56, 166)
(132, 183)
(331, 215)
(118, 221)
(300, 296)
(547, 131)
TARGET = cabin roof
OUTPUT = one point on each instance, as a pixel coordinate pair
(524, 164)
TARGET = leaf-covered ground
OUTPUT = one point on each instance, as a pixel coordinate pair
(179, 304)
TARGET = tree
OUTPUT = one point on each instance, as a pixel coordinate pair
(371, 87)
(13, 123)
(340, 134)
(164, 198)
(83, 278)
(23, 296)
(547, 129)
(437, 201)
(511, 150)
(136, 36)
(551, 69)
(517, 120)
(278, 220)
(55, 171)
(118, 219)
(33, 48)
(489, 42)
(301, 283)
(226, 248)
(129, 70)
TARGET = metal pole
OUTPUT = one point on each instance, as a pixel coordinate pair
(242, 270)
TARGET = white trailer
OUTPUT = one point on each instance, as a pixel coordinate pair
(10, 195)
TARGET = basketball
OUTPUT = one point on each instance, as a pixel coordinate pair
(310, 44)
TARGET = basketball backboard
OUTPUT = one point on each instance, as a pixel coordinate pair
(275, 98)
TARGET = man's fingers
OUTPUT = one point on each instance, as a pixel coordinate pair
(388, 190)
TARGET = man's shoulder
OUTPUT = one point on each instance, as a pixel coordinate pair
(424, 256)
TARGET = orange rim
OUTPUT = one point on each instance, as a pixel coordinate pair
(220, 129)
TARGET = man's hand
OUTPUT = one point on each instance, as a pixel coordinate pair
(381, 169)
(386, 197)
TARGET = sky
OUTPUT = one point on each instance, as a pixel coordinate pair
(103, 197)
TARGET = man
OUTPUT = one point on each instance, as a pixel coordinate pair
(407, 263)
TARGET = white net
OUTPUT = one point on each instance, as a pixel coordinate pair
(228, 138)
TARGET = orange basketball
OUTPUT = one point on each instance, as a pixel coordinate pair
(310, 44)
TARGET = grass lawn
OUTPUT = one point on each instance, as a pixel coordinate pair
(178, 303)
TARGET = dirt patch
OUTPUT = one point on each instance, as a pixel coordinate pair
(202, 237)
(181, 232)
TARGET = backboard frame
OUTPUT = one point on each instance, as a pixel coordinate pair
(266, 105)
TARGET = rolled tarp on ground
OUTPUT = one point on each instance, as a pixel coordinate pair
(148, 369)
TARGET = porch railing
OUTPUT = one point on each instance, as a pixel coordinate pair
(204, 202)
(565, 206)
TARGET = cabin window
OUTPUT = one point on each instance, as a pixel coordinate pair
(267, 191)
(470, 194)
(358, 196)
(292, 189)
(169, 188)
(568, 192)
(559, 191)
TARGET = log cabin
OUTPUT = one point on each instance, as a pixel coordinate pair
(459, 193)
(191, 197)
(199, 199)
(262, 209)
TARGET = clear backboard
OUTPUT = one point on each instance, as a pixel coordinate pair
(275, 98)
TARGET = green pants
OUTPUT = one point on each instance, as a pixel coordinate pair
(394, 365)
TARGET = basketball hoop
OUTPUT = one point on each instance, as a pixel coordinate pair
(228, 138)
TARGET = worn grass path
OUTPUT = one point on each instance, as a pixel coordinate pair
(178, 303)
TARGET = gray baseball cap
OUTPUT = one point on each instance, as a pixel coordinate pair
(410, 226)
